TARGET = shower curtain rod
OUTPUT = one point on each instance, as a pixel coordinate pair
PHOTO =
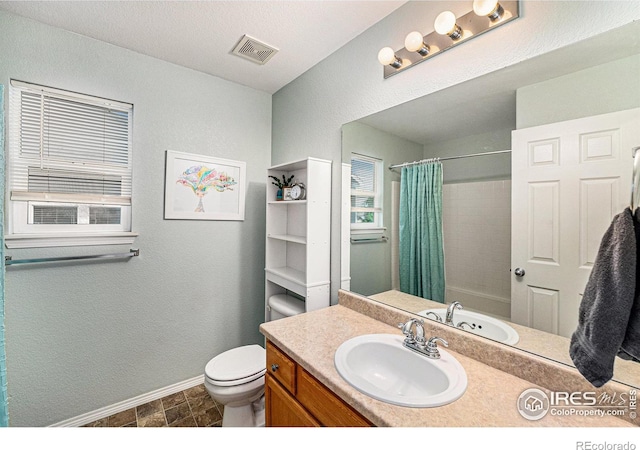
(395, 166)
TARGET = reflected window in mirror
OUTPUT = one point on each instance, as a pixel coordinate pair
(366, 194)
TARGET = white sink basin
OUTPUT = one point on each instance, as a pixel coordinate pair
(379, 366)
(485, 326)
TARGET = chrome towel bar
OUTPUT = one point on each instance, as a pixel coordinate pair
(9, 261)
(369, 240)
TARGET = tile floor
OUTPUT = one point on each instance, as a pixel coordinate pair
(190, 408)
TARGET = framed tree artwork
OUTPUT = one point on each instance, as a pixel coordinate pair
(199, 187)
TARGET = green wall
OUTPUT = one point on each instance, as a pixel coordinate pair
(371, 263)
(85, 336)
(4, 412)
(606, 88)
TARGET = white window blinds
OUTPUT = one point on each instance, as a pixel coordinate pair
(68, 147)
(366, 191)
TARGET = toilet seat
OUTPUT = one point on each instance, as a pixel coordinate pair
(237, 366)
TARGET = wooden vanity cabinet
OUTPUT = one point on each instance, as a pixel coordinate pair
(294, 398)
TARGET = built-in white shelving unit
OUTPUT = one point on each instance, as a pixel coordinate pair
(299, 236)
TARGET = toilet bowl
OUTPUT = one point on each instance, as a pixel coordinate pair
(235, 379)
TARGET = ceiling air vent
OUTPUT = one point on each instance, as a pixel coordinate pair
(254, 50)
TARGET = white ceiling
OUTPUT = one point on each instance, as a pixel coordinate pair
(201, 34)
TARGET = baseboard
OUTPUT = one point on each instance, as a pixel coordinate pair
(107, 411)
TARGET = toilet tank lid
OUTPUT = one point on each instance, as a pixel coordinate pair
(286, 304)
(237, 363)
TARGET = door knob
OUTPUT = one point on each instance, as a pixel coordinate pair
(519, 272)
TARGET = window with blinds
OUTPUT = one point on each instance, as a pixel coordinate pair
(366, 192)
(69, 166)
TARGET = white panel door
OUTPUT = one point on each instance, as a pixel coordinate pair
(568, 179)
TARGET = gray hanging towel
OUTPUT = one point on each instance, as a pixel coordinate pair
(607, 302)
(630, 348)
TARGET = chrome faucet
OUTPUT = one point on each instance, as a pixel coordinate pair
(449, 317)
(416, 342)
(411, 338)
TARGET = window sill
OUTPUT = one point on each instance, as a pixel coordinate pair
(67, 240)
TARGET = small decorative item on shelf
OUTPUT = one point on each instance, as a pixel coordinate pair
(298, 191)
(281, 185)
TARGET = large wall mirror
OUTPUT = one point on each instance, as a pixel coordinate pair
(481, 200)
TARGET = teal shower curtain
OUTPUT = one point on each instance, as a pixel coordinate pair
(4, 408)
(421, 245)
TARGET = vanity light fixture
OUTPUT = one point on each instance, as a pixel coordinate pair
(489, 8)
(387, 57)
(414, 42)
(445, 24)
(450, 31)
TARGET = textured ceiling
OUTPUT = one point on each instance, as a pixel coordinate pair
(201, 34)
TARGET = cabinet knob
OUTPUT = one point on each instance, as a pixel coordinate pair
(274, 367)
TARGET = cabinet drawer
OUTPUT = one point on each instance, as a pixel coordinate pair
(325, 406)
(280, 366)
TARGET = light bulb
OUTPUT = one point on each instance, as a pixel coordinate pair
(414, 42)
(446, 24)
(489, 8)
(387, 57)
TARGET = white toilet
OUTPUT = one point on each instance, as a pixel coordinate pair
(282, 305)
(235, 378)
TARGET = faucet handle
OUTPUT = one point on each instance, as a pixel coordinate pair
(472, 326)
(432, 347)
(431, 313)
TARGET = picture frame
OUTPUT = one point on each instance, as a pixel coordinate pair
(200, 187)
(286, 194)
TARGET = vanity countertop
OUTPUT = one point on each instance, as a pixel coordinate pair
(531, 340)
(312, 339)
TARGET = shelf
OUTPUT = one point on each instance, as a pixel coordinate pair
(288, 274)
(287, 202)
(298, 235)
(289, 238)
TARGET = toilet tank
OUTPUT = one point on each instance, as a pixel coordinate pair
(283, 305)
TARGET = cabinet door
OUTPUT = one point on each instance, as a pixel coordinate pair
(282, 410)
(330, 410)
